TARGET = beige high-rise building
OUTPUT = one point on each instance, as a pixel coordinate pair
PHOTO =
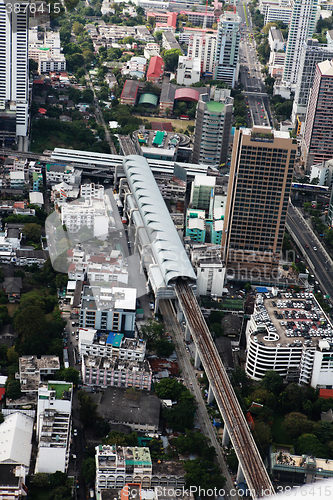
(258, 194)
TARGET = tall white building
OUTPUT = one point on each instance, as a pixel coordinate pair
(13, 72)
(203, 47)
(227, 49)
(302, 25)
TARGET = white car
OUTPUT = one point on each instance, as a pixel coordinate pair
(315, 249)
(75, 432)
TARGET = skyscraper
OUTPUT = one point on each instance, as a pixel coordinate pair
(312, 52)
(13, 71)
(302, 25)
(257, 202)
(318, 135)
(227, 49)
(212, 128)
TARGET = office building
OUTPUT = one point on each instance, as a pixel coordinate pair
(312, 52)
(212, 128)
(276, 10)
(203, 46)
(202, 190)
(257, 202)
(318, 134)
(14, 78)
(227, 49)
(299, 350)
(302, 25)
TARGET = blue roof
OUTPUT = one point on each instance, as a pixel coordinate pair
(114, 339)
(262, 289)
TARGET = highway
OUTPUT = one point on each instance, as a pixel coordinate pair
(255, 474)
(319, 260)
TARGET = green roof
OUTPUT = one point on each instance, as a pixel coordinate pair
(148, 99)
(158, 138)
(215, 106)
(60, 388)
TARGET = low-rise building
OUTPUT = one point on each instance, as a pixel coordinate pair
(16, 439)
(209, 268)
(169, 41)
(129, 93)
(103, 372)
(62, 173)
(299, 470)
(33, 370)
(136, 66)
(275, 39)
(90, 213)
(12, 481)
(164, 20)
(188, 71)
(151, 50)
(18, 180)
(94, 343)
(155, 69)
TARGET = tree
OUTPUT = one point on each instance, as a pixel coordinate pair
(88, 470)
(13, 389)
(30, 321)
(169, 388)
(296, 424)
(232, 460)
(272, 382)
(12, 355)
(263, 434)
(102, 427)
(78, 28)
(152, 331)
(68, 374)
(170, 58)
(203, 474)
(32, 232)
(309, 444)
(33, 65)
(88, 96)
(88, 409)
(164, 348)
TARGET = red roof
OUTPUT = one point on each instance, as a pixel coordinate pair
(2, 392)
(38, 82)
(130, 89)
(70, 252)
(72, 267)
(42, 111)
(156, 67)
(187, 94)
(326, 393)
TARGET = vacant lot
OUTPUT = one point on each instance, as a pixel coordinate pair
(177, 124)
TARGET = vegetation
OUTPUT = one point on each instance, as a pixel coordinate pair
(181, 416)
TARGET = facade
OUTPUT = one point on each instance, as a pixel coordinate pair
(109, 309)
(116, 466)
(54, 426)
(318, 134)
(279, 10)
(302, 26)
(304, 469)
(212, 129)
(188, 71)
(91, 214)
(130, 92)
(312, 52)
(300, 353)
(155, 69)
(14, 77)
(276, 64)
(94, 343)
(92, 191)
(227, 49)
(257, 202)
(275, 39)
(195, 225)
(203, 46)
(210, 275)
(105, 372)
(202, 190)
(56, 173)
(200, 18)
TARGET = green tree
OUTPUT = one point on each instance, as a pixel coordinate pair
(88, 470)
(169, 388)
(68, 374)
(296, 423)
(170, 58)
(30, 321)
(152, 331)
(232, 460)
(32, 232)
(203, 474)
(102, 427)
(309, 444)
(13, 389)
(12, 355)
(262, 434)
(88, 96)
(88, 409)
(78, 28)
(164, 347)
(272, 382)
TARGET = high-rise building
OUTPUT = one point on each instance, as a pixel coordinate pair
(13, 72)
(212, 128)
(203, 46)
(318, 135)
(227, 49)
(258, 194)
(312, 52)
(302, 25)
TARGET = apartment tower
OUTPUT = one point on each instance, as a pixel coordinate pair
(227, 49)
(13, 72)
(318, 134)
(212, 129)
(258, 194)
(302, 25)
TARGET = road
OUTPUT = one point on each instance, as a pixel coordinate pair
(319, 260)
(99, 117)
(257, 102)
(191, 381)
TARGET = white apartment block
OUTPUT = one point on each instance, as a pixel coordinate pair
(276, 64)
(116, 466)
(203, 47)
(299, 347)
(94, 343)
(188, 71)
(59, 173)
(92, 214)
(304, 18)
(275, 39)
(227, 49)
(54, 426)
(89, 191)
(151, 50)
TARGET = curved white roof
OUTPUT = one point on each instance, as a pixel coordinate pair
(168, 250)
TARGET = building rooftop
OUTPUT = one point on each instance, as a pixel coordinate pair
(276, 34)
(326, 68)
(102, 298)
(215, 106)
(15, 439)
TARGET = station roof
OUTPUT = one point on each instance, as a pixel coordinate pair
(168, 250)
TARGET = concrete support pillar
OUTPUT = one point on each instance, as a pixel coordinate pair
(225, 438)
(187, 333)
(157, 302)
(197, 361)
(180, 316)
(210, 394)
(240, 476)
(115, 179)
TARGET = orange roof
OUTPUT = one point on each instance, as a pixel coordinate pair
(156, 67)
(326, 393)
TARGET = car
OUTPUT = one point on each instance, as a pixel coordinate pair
(75, 432)
(306, 246)
(260, 116)
(151, 305)
(77, 337)
(315, 249)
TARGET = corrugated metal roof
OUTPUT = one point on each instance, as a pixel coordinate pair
(168, 250)
(148, 99)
